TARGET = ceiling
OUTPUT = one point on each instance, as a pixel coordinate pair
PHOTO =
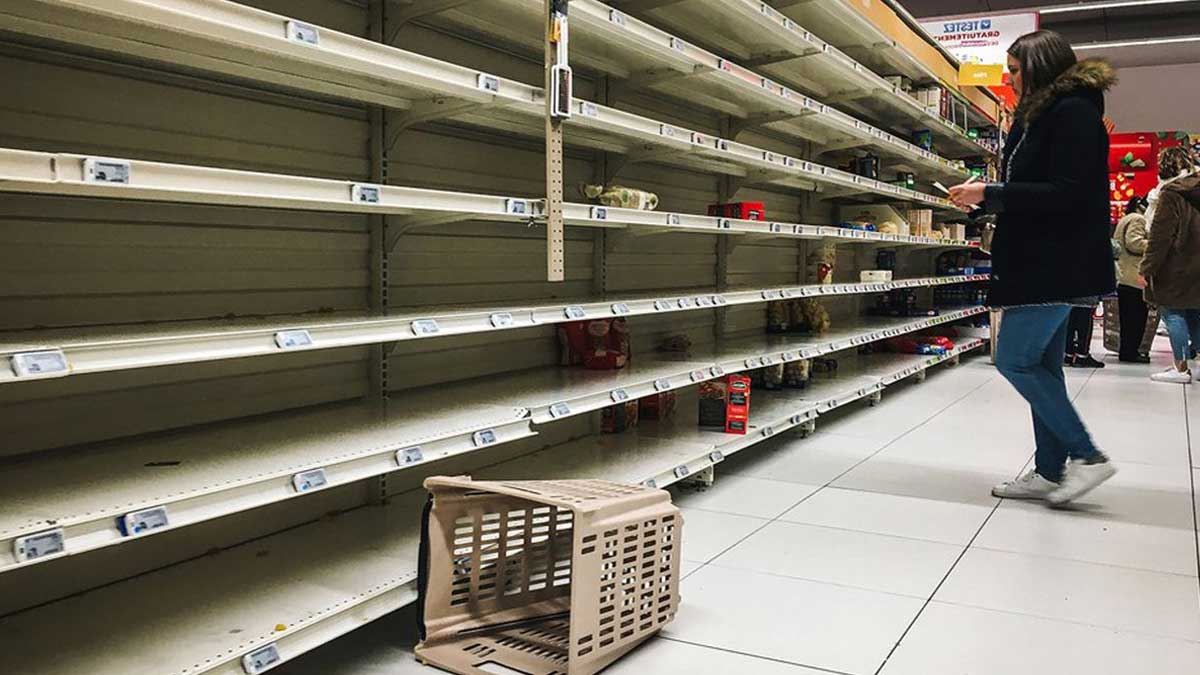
(1151, 21)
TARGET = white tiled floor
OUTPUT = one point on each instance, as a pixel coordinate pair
(875, 548)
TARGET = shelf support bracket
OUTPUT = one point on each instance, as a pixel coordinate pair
(398, 229)
(428, 111)
(417, 9)
(739, 126)
(772, 58)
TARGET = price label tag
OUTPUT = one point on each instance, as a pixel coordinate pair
(616, 17)
(681, 471)
(752, 363)
(662, 384)
(668, 131)
(39, 545)
(501, 320)
(365, 194)
(589, 109)
(560, 410)
(719, 300)
(799, 419)
(678, 45)
(768, 360)
(46, 363)
(141, 522)
(293, 339)
(716, 457)
(619, 395)
(308, 481)
(409, 456)
(716, 371)
(422, 327)
(722, 144)
(485, 437)
(662, 305)
(599, 213)
(705, 301)
(620, 308)
(574, 312)
(261, 660)
(650, 483)
(488, 83)
(673, 219)
(767, 432)
(698, 376)
(517, 207)
(686, 303)
(303, 33)
(724, 224)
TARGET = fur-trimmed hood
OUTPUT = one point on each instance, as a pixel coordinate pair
(1090, 77)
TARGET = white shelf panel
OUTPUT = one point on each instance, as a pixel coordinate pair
(318, 582)
(322, 580)
(112, 349)
(234, 40)
(213, 471)
(640, 55)
(757, 35)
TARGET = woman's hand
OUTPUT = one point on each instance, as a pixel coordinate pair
(1142, 281)
(967, 195)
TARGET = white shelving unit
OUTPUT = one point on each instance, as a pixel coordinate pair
(309, 585)
(259, 258)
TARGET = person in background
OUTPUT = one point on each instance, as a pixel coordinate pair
(1131, 239)
(1171, 265)
(1052, 250)
(1080, 327)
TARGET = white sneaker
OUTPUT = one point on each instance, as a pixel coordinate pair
(1080, 479)
(1173, 376)
(1031, 485)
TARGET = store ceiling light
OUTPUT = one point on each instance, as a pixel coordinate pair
(1150, 42)
(1115, 4)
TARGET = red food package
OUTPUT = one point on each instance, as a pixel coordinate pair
(601, 344)
(657, 406)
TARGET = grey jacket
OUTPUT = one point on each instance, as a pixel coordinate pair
(1132, 239)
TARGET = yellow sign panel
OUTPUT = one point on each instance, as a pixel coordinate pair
(980, 75)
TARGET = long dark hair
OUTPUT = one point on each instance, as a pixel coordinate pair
(1043, 55)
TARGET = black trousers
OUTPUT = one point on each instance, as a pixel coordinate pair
(1133, 320)
(1079, 331)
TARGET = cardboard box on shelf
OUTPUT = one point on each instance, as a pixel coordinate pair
(725, 404)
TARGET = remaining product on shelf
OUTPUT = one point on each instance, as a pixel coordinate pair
(725, 404)
(739, 210)
(820, 265)
(796, 374)
(598, 344)
(658, 406)
(920, 221)
(870, 276)
(619, 196)
(804, 316)
(619, 418)
(529, 574)
(867, 166)
(900, 302)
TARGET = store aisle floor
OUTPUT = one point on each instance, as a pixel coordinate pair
(874, 546)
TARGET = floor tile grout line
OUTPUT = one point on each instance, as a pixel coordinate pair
(965, 550)
(937, 588)
(753, 656)
(1074, 622)
(839, 476)
(1187, 425)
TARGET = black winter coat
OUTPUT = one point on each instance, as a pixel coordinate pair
(1052, 230)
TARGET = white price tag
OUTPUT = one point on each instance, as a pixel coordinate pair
(560, 410)
(662, 384)
(303, 33)
(117, 171)
(599, 213)
(724, 224)
(488, 83)
(39, 545)
(261, 660)
(798, 419)
(716, 457)
(589, 109)
(485, 437)
(517, 207)
(620, 308)
(705, 301)
(686, 303)
(650, 483)
(767, 432)
(308, 481)
(681, 471)
(46, 363)
(678, 45)
(752, 363)
(698, 376)
(616, 17)
(716, 371)
(719, 300)
(662, 305)
(409, 456)
(574, 312)
(501, 320)
(141, 522)
(619, 395)
(668, 131)
(365, 194)
(673, 219)
(422, 327)
(293, 339)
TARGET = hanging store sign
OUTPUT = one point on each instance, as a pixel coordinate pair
(981, 43)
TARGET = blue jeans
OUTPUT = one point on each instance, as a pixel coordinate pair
(1029, 354)
(1184, 328)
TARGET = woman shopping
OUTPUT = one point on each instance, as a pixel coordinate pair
(1051, 251)
(1171, 265)
(1131, 239)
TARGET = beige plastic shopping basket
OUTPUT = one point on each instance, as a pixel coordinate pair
(544, 577)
